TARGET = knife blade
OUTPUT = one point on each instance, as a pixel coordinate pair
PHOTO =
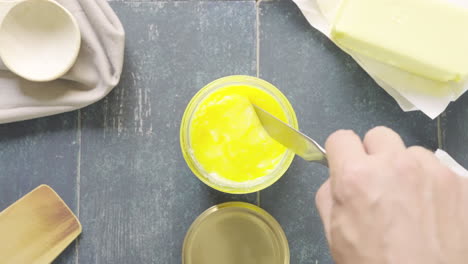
(302, 145)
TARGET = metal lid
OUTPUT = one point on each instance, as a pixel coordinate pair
(234, 233)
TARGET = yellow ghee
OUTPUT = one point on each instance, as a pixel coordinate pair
(227, 138)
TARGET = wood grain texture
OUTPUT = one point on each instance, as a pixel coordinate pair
(40, 151)
(138, 197)
(36, 228)
(454, 128)
(329, 91)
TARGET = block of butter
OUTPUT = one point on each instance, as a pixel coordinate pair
(425, 37)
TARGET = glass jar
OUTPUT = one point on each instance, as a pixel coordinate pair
(197, 169)
(235, 232)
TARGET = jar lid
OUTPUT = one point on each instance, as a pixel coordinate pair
(233, 233)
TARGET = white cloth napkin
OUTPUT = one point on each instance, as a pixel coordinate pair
(410, 91)
(96, 71)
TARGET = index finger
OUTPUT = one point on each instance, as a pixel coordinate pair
(343, 145)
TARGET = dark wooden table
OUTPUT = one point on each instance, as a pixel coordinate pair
(118, 164)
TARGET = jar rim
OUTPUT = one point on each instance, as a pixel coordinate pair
(245, 209)
(248, 187)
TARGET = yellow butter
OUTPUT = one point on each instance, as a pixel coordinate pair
(425, 37)
(227, 138)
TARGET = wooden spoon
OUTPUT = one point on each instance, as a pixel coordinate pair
(37, 228)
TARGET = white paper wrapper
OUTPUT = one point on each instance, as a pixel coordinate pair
(451, 163)
(411, 92)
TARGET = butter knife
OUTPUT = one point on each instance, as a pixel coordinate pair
(297, 142)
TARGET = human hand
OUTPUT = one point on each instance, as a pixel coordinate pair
(385, 203)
